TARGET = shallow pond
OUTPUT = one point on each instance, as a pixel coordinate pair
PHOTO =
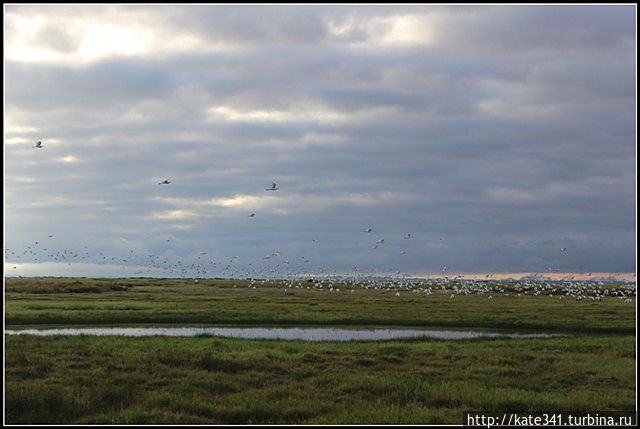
(277, 333)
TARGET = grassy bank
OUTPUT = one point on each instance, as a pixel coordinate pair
(95, 302)
(209, 380)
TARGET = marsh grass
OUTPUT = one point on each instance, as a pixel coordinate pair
(177, 301)
(209, 380)
(62, 285)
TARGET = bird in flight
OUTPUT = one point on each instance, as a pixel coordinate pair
(563, 249)
(39, 144)
(164, 182)
(273, 187)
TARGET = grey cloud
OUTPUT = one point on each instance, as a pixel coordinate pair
(57, 39)
(50, 87)
(506, 186)
(537, 30)
(260, 24)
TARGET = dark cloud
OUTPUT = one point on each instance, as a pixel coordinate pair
(515, 31)
(510, 135)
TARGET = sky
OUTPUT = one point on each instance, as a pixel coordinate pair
(495, 135)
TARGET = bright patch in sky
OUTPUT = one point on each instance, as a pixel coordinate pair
(297, 115)
(68, 159)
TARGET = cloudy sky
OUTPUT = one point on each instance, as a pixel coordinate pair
(495, 136)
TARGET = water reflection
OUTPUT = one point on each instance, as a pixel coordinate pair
(273, 333)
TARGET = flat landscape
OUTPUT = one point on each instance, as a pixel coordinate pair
(319, 214)
(587, 364)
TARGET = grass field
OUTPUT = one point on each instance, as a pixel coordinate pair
(214, 380)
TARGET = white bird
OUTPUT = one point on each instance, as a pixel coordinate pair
(407, 236)
(563, 249)
(164, 182)
(38, 144)
(380, 241)
(273, 187)
(368, 230)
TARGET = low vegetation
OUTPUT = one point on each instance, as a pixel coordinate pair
(208, 380)
(234, 302)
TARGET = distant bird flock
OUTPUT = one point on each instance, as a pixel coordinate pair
(297, 273)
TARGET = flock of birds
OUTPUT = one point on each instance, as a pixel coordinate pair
(274, 187)
(297, 273)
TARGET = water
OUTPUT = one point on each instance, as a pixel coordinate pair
(273, 333)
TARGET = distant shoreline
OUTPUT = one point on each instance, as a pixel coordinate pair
(629, 277)
(594, 276)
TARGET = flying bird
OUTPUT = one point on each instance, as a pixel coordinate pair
(38, 144)
(273, 187)
(164, 182)
(563, 249)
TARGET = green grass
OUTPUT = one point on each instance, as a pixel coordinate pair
(218, 302)
(206, 380)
